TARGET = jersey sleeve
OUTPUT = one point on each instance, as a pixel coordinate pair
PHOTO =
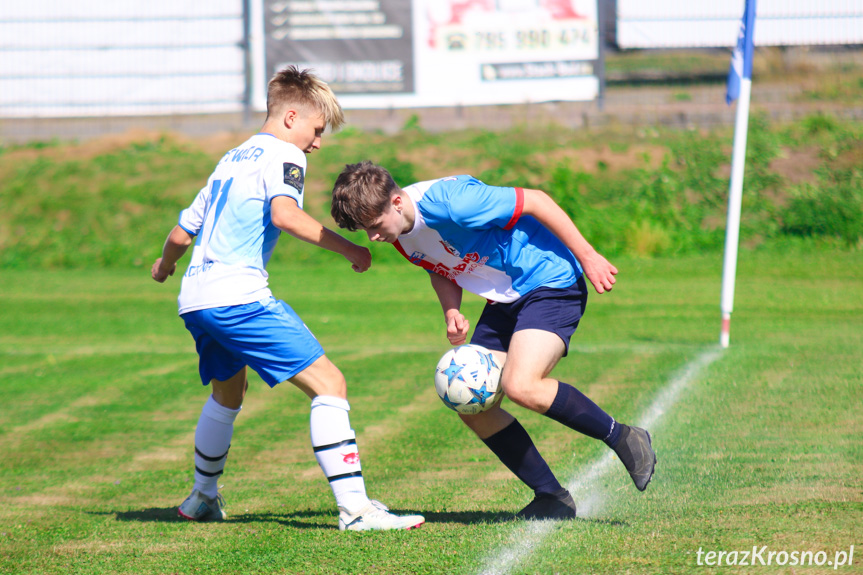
(192, 218)
(474, 205)
(286, 176)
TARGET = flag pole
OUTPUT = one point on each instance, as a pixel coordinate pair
(740, 89)
(735, 198)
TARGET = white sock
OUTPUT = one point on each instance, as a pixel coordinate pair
(335, 448)
(212, 441)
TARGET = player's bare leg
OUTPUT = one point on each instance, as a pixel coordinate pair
(487, 423)
(533, 353)
(231, 392)
(321, 378)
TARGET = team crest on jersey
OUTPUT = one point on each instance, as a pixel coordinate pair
(450, 249)
(294, 176)
(416, 258)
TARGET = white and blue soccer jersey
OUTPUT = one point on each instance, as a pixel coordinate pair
(477, 236)
(230, 219)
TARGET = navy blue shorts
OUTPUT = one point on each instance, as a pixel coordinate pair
(550, 309)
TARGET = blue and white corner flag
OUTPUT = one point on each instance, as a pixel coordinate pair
(739, 87)
(741, 59)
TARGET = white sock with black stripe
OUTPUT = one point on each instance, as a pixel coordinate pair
(335, 448)
(212, 441)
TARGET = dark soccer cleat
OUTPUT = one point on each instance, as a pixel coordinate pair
(549, 506)
(636, 453)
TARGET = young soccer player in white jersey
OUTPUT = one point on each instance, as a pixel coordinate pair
(518, 249)
(256, 192)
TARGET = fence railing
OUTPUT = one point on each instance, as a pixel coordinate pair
(108, 60)
(60, 58)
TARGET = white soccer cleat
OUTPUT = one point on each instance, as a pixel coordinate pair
(376, 517)
(199, 507)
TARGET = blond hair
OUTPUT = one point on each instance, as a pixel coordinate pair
(301, 88)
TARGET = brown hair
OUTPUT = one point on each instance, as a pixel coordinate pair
(292, 86)
(361, 194)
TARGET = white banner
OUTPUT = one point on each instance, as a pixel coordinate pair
(418, 53)
(707, 23)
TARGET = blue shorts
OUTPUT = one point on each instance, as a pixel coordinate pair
(266, 335)
(550, 309)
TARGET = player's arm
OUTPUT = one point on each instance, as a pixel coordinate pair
(598, 270)
(449, 295)
(176, 244)
(288, 217)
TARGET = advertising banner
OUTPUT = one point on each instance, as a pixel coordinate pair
(418, 53)
(357, 46)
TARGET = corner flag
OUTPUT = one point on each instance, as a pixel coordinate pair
(741, 59)
(739, 87)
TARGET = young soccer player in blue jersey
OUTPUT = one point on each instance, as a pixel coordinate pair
(518, 249)
(256, 192)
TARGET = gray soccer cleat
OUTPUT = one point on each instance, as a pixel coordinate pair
(199, 507)
(636, 453)
(549, 506)
(376, 517)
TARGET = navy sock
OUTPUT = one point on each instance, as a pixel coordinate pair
(576, 411)
(514, 447)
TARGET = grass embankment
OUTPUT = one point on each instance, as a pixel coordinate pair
(647, 192)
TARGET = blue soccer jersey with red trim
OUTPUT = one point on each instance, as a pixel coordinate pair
(477, 236)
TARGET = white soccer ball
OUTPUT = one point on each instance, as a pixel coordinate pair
(467, 379)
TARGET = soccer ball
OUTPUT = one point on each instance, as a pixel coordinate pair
(467, 379)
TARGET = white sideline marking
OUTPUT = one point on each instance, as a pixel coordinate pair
(531, 535)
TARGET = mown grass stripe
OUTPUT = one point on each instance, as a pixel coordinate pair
(503, 561)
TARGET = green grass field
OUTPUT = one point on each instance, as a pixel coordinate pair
(762, 447)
